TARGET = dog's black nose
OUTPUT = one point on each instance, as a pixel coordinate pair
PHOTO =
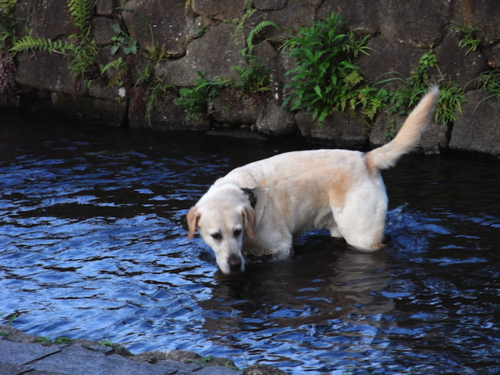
(234, 262)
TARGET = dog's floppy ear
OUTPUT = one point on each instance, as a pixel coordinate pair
(250, 219)
(193, 217)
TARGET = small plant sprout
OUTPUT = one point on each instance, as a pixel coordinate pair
(471, 36)
(198, 100)
(123, 40)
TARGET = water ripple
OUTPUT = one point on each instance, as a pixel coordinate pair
(93, 245)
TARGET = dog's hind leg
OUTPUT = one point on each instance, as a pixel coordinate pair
(334, 231)
(362, 220)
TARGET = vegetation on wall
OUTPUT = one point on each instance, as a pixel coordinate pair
(325, 78)
(401, 94)
(199, 100)
(7, 23)
(82, 53)
(471, 36)
(490, 82)
(8, 90)
(255, 77)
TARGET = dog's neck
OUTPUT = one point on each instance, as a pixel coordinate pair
(251, 196)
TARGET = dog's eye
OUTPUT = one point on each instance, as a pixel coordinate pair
(237, 232)
(216, 236)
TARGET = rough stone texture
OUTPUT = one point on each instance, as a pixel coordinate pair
(388, 57)
(106, 7)
(46, 19)
(9, 369)
(104, 91)
(48, 71)
(479, 13)
(104, 31)
(90, 110)
(173, 355)
(294, 16)
(494, 57)
(435, 138)
(360, 15)
(265, 53)
(242, 133)
(216, 53)
(381, 126)
(22, 353)
(262, 370)
(456, 63)
(15, 335)
(164, 116)
(82, 357)
(9, 95)
(105, 57)
(269, 4)
(74, 357)
(278, 77)
(337, 128)
(274, 120)
(218, 371)
(414, 22)
(477, 129)
(174, 31)
(219, 9)
(235, 108)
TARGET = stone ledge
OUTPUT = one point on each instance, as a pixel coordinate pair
(19, 355)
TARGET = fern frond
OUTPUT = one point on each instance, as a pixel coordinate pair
(256, 30)
(7, 6)
(116, 64)
(34, 44)
(79, 11)
(353, 78)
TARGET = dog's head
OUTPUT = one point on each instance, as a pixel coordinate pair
(223, 217)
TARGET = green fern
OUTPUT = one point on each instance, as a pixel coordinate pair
(7, 6)
(116, 64)
(256, 30)
(353, 78)
(34, 44)
(7, 23)
(119, 69)
(83, 57)
(79, 11)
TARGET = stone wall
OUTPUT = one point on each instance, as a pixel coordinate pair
(208, 36)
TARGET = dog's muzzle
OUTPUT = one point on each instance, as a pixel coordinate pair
(235, 263)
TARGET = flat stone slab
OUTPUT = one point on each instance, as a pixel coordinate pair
(21, 353)
(75, 359)
(10, 369)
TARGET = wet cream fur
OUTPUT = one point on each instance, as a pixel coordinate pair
(340, 190)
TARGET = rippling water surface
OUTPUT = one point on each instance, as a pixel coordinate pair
(93, 244)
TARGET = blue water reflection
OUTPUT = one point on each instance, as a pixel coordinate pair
(93, 244)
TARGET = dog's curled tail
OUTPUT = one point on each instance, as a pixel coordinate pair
(408, 137)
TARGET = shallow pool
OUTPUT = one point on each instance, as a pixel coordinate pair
(93, 244)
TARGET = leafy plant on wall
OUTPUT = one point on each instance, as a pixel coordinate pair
(325, 77)
(255, 77)
(82, 53)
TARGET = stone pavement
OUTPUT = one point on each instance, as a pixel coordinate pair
(20, 355)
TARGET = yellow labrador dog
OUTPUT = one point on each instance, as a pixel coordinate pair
(262, 207)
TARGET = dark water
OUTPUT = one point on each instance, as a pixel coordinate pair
(93, 244)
